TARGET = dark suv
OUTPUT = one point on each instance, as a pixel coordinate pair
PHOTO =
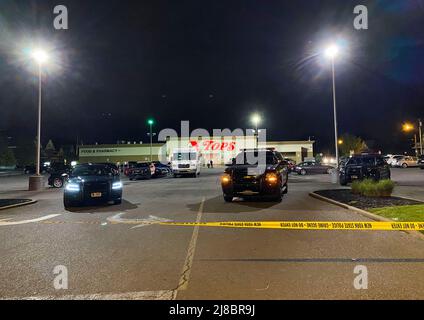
(421, 162)
(244, 177)
(361, 167)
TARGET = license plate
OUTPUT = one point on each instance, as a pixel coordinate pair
(96, 194)
(354, 177)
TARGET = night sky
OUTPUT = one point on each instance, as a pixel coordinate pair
(214, 63)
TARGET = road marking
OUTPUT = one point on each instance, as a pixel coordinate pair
(308, 225)
(14, 223)
(141, 295)
(185, 274)
(138, 222)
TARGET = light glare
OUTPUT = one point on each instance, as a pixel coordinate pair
(40, 56)
(332, 51)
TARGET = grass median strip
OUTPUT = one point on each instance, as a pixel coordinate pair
(401, 213)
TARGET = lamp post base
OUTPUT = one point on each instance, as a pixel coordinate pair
(36, 183)
(335, 176)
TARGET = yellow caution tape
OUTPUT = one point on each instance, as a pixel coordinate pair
(308, 225)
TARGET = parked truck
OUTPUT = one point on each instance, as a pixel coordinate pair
(185, 161)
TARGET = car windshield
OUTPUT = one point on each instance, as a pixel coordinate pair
(91, 170)
(185, 156)
(251, 157)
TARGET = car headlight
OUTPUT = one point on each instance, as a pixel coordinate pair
(271, 177)
(225, 178)
(73, 187)
(298, 168)
(117, 185)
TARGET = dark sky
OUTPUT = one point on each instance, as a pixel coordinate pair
(214, 63)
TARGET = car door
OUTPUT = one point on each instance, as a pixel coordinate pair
(282, 168)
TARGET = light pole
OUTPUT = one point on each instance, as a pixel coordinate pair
(256, 119)
(420, 124)
(150, 122)
(332, 52)
(36, 182)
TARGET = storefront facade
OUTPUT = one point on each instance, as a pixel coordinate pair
(220, 150)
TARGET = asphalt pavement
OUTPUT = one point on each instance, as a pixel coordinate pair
(120, 251)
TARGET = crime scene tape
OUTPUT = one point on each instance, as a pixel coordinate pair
(307, 225)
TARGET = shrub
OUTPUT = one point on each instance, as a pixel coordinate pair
(371, 188)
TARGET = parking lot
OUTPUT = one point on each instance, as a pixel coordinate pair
(117, 251)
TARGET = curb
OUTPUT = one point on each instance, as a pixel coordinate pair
(412, 199)
(18, 205)
(362, 212)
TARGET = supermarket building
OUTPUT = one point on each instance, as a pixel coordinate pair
(220, 150)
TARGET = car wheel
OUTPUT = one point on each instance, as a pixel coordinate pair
(343, 181)
(422, 168)
(119, 201)
(303, 172)
(228, 198)
(57, 183)
(404, 165)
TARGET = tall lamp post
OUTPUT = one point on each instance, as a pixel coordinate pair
(331, 52)
(151, 122)
(256, 120)
(420, 124)
(408, 127)
(36, 181)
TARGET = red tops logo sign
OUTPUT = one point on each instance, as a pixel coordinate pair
(211, 145)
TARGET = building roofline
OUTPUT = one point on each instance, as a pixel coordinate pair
(120, 145)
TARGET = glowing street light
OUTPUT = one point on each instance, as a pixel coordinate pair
(40, 56)
(407, 127)
(340, 142)
(332, 51)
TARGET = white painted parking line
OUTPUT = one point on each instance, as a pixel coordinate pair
(14, 223)
(140, 295)
(185, 274)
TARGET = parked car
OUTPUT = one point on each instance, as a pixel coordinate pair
(129, 166)
(30, 169)
(291, 164)
(161, 169)
(360, 167)
(405, 162)
(311, 167)
(391, 158)
(243, 179)
(140, 170)
(58, 176)
(112, 166)
(92, 183)
(421, 162)
(57, 166)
